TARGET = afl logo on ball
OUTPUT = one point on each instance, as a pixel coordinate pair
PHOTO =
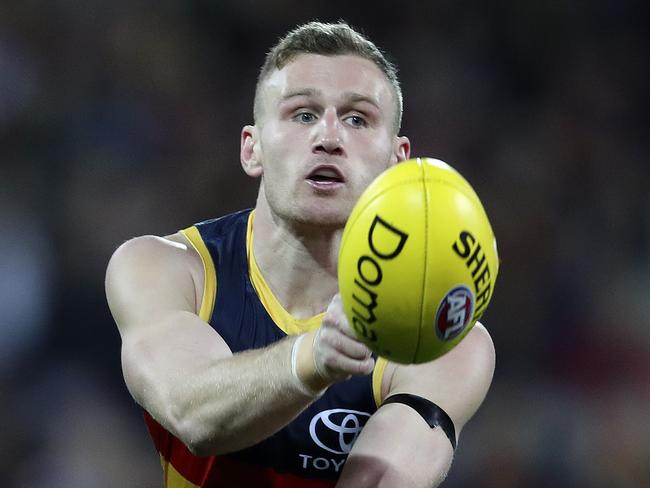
(454, 312)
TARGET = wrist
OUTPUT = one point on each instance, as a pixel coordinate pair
(303, 366)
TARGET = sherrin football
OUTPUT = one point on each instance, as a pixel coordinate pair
(418, 261)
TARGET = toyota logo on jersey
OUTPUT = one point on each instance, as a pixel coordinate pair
(336, 430)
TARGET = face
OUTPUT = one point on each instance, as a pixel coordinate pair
(324, 132)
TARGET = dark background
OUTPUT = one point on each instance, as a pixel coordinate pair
(122, 118)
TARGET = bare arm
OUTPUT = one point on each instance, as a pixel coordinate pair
(183, 373)
(397, 447)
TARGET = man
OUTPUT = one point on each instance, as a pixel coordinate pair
(234, 339)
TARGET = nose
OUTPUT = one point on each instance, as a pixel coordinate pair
(329, 134)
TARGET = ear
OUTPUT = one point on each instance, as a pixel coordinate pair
(248, 151)
(401, 149)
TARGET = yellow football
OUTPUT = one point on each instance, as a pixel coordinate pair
(418, 261)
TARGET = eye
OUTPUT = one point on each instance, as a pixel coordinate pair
(304, 117)
(356, 121)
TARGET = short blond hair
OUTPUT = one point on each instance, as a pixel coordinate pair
(328, 40)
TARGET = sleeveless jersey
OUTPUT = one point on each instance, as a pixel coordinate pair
(311, 450)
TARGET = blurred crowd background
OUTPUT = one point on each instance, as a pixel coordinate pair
(122, 118)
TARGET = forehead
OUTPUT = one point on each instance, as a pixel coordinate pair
(330, 76)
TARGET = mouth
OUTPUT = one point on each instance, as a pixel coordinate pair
(326, 174)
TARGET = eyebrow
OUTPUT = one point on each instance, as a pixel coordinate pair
(357, 97)
(301, 92)
(352, 97)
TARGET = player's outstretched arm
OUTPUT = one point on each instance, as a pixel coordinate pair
(183, 373)
(397, 447)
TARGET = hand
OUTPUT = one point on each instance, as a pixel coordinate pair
(332, 353)
(337, 352)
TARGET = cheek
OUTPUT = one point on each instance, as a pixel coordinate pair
(270, 151)
(381, 153)
(278, 141)
(378, 141)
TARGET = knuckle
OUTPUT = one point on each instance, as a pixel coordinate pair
(322, 333)
(325, 337)
(327, 357)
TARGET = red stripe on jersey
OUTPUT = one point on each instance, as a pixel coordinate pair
(193, 468)
(221, 471)
(230, 472)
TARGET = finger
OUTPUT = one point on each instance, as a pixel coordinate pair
(346, 365)
(335, 317)
(343, 344)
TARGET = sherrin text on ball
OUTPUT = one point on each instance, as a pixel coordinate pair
(418, 261)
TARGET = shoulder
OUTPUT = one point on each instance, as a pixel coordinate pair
(150, 272)
(141, 246)
(458, 381)
(153, 254)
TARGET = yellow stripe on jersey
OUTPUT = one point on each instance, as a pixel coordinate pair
(209, 274)
(173, 479)
(377, 377)
(283, 319)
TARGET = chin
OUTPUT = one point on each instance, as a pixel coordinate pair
(324, 216)
(325, 220)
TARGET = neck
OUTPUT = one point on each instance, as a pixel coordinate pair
(298, 261)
